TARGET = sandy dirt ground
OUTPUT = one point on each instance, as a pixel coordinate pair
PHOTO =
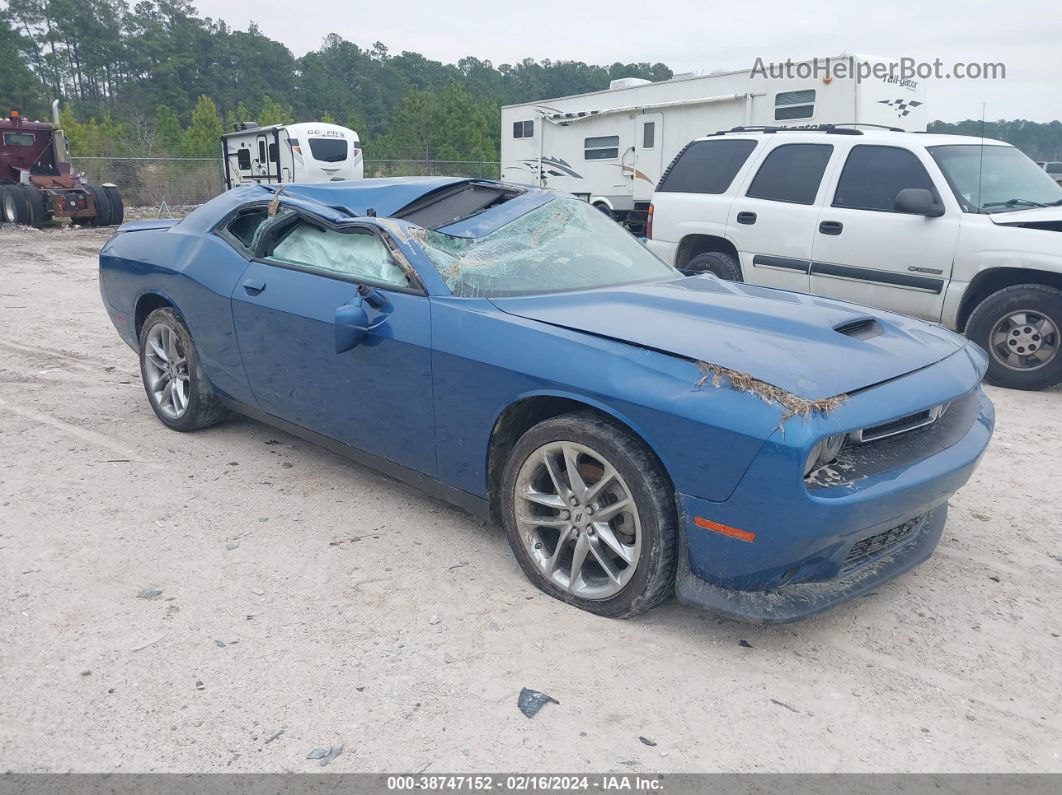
(307, 602)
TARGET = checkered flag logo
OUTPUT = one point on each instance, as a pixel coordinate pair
(903, 107)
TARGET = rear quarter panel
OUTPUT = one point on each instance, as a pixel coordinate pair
(194, 272)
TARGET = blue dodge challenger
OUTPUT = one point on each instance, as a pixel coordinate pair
(513, 352)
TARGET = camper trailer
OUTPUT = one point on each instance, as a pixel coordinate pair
(308, 152)
(612, 146)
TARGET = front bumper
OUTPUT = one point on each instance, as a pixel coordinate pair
(799, 551)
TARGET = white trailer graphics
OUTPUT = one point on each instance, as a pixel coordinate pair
(282, 153)
(612, 146)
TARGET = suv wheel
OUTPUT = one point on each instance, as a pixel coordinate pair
(721, 264)
(1021, 328)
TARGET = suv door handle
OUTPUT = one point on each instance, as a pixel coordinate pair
(746, 218)
(831, 227)
(254, 286)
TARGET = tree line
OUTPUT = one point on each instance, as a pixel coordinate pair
(155, 78)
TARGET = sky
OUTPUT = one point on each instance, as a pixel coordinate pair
(701, 36)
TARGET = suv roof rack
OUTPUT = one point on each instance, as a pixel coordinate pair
(841, 128)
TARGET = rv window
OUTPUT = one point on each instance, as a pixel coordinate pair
(791, 173)
(794, 105)
(605, 147)
(707, 166)
(649, 135)
(874, 175)
(273, 153)
(243, 158)
(1054, 168)
(261, 152)
(329, 150)
(19, 139)
(523, 129)
(356, 253)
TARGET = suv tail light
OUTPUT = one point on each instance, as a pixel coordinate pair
(649, 223)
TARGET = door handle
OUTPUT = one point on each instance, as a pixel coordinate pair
(831, 227)
(746, 218)
(254, 286)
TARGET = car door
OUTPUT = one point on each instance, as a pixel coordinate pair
(296, 311)
(772, 220)
(866, 251)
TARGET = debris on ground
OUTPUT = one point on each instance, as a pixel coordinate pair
(149, 593)
(326, 755)
(794, 405)
(744, 644)
(434, 620)
(220, 644)
(151, 642)
(199, 684)
(275, 736)
(787, 706)
(994, 578)
(86, 673)
(647, 741)
(531, 701)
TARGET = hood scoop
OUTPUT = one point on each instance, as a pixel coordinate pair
(863, 329)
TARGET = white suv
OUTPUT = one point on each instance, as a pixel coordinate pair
(961, 231)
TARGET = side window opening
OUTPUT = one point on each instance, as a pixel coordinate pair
(261, 152)
(874, 175)
(241, 229)
(356, 253)
(243, 158)
(602, 147)
(274, 154)
(791, 173)
(523, 129)
(649, 135)
(707, 166)
(794, 105)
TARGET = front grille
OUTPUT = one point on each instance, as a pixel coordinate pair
(877, 544)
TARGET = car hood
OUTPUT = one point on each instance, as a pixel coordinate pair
(1034, 215)
(785, 339)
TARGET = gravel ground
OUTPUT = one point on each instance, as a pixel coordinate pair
(306, 595)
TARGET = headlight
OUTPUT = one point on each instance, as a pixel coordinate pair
(824, 452)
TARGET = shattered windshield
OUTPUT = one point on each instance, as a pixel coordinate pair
(995, 179)
(562, 245)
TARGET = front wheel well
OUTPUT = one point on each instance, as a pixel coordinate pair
(518, 419)
(692, 245)
(993, 280)
(147, 304)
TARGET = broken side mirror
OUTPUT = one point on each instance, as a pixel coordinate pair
(917, 201)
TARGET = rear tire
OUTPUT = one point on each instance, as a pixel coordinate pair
(1018, 326)
(117, 206)
(38, 207)
(177, 388)
(720, 263)
(103, 207)
(622, 529)
(14, 203)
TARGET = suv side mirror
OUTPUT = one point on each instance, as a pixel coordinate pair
(917, 201)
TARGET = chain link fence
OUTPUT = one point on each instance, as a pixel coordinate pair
(152, 185)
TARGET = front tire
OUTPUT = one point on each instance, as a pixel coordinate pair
(1021, 328)
(720, 263)
(177, 389)
(590, 515)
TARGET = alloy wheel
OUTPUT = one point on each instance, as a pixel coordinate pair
(1024, 340)
(578, 520)
(166, 367)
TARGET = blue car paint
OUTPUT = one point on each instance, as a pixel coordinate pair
(443, 369)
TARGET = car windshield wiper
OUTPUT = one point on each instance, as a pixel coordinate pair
(1014, 203)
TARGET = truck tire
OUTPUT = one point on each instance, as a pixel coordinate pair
(103, 207)
(1021, 328)
(38, 207)
(720, 263)
(15, 204)
(117, 206)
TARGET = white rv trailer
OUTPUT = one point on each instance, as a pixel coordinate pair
(612, 146)
(307, 152)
